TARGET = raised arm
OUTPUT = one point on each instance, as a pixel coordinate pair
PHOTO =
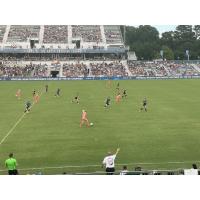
(117, 151)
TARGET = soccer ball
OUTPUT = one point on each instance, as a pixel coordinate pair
(91, 124)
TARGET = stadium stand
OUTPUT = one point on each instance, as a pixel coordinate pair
(108, 69)
(87, 33)
(162, 69)
(75, 70)
(71, 67)
(55, 34)
(40, 70)
(16, 70)
(2, 32)
(147, 69)
(60, 36)
(21, 33)
(182, 69)
(113, 34)
(106, 59)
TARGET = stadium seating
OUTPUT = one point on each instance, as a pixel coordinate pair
(74, 70)
(2, 31)
(16, 71)
(21, 33)
(108, 69)
(60, 35)
(40, 70)
(171, 68)
(181, 69)
(87, 33)
(55, 34)
(113, 34)
(10, 66)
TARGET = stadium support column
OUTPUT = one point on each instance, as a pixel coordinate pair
(124, 35)
(61, 71)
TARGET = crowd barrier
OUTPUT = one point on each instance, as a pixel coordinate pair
(97, 78)
(141, 172)
(78, 51)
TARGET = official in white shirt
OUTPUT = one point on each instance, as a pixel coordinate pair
(124, 170)
(109, 162)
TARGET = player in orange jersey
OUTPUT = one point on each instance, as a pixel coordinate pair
(84, 119)
(36, 98)
(18, 94)
(118, 98)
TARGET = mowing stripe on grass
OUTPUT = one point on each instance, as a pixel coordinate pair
(86, 166)
(15, 125)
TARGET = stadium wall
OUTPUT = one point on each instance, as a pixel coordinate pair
(95, 78)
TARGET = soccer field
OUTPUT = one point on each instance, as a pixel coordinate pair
(49, 137)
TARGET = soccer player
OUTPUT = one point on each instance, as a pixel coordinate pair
(46, 88)
(107, 102)
(117, 86)
(11, 165)
(118, 98)
(84, 119)
(18, 94)
(76, 99)
(34, 92)
(144, 105)
(36, 98)
(28, 107)
(57, 93)
(109, 162)
(124, 94)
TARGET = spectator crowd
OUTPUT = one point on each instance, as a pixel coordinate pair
(21, 33)
(94, 68)
(75, 70)
(163, 68)
(55, 34)
(2, 31)
(87, 33)
(108, 69)
(26, 70)
(113, 34)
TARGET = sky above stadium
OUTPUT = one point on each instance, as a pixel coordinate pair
(164, 28)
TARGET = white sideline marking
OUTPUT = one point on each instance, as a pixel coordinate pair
(15, 125)
(12, 129)
(85, 166)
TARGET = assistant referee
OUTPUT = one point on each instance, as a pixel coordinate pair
(11, 165)
(109, 162)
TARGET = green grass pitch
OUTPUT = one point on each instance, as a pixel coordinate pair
(50, 136)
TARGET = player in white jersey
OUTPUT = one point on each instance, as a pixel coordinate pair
(109, 162)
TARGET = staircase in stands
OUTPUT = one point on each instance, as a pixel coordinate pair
(69, 34)
(6, 34)
(41, 34)
(196, 67)
(124, 62)
(103, 34)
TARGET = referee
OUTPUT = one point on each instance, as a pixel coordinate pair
(11, 165)
(109, 162)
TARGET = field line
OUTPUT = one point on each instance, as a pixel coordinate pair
(12, 129)
(15, 125)
(86, 166)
